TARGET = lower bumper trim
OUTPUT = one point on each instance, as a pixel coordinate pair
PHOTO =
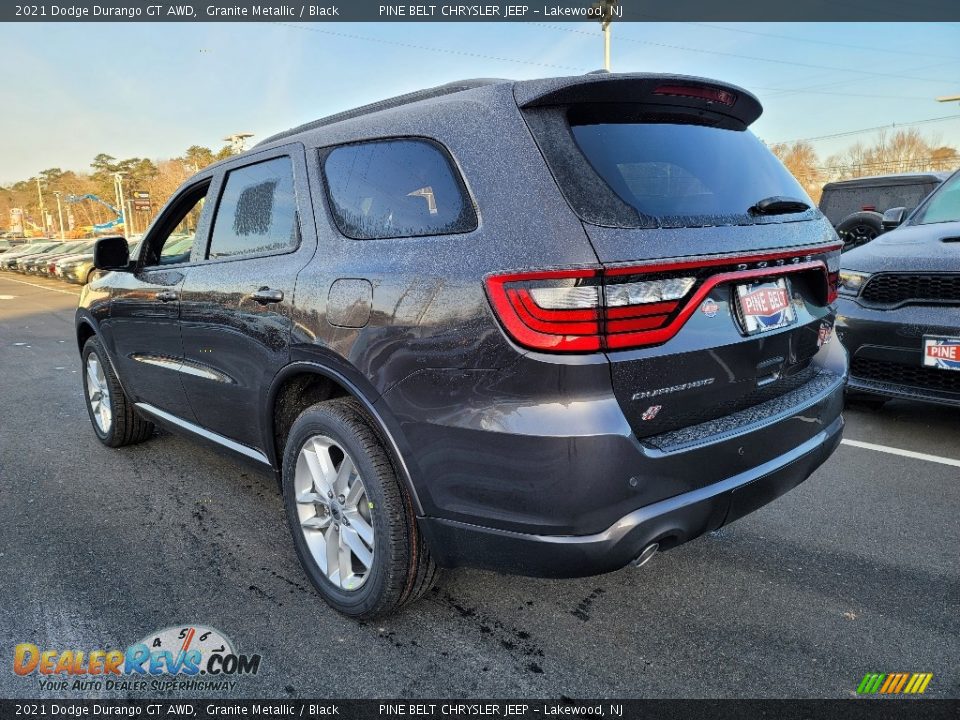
(669, 522)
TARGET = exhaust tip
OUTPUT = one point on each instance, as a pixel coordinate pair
(646, 554)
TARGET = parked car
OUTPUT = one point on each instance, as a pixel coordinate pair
(78, 268)
(37, 264)
(899, 300)
(514, 325)
(25, 261)
(8, 261)
(856, 207)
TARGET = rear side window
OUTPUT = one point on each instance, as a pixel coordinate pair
(257, 213)
(396, 188)
(685, 174)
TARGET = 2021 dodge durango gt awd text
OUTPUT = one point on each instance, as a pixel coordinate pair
(544, 327)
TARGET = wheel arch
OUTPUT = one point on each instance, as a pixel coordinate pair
(294, 381)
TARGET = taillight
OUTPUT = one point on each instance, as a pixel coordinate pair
(588, 309)
(553, 311)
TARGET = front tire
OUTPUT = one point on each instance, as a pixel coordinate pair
(352, 522)
(115, 421)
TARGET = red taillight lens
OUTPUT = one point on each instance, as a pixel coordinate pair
(589, 309)
(552, 311)
(701, 92)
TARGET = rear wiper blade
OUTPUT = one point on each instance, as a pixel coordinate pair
(778, 205)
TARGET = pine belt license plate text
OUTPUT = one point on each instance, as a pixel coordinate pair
(765, 306)
(941, 352)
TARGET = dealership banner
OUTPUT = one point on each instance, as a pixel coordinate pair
(325, 11)
(197, 709)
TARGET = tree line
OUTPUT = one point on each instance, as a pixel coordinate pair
(898, 152)
(160, 178)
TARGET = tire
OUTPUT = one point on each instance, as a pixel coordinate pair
(866, 400)
(859, 228)
(393, 566)
(104, 397)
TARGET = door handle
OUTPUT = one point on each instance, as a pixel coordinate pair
(265, 296)
(166, 295)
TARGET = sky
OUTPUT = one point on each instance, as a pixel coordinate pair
(72, 91)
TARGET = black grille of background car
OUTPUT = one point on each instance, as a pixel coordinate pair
(899, 374)
(892, 289)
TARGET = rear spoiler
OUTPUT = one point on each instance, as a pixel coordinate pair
(673, 91)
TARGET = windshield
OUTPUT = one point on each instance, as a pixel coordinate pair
(685, 174)
(943, 206)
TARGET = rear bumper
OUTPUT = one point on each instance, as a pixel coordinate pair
(669, 522)
(886, 350)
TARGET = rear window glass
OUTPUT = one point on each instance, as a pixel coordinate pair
(684, 174)
(944, 206)
(837, 203)
(396, 188)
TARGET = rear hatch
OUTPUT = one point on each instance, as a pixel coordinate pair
(717, 271)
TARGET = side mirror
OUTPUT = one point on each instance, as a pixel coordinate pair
(111, 253)
(893, 217)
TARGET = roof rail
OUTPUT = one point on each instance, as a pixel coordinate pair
(387, 104)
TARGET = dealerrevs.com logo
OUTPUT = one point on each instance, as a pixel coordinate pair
(188, 658)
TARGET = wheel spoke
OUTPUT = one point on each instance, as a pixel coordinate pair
(347, 579)
(317, 522)
(354, 494)
(341, 483)
(321, 469)
(351, 539)
(312, 498)
(333, 554)
(361, 526)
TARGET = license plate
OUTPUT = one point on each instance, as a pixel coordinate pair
(941, 352)
(765, 306)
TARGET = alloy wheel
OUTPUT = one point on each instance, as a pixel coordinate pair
(98, 394)
(334, 512)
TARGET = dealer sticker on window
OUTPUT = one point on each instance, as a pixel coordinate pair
(941, 352)
(765, 306)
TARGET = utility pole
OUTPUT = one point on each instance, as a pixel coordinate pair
(118, 179)
(43, 211)
(129, 229)
(604, 11)
(57, 194)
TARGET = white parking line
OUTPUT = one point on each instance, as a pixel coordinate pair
(42, 287)
(903, 453)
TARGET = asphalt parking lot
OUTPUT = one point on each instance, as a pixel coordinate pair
(855, 571)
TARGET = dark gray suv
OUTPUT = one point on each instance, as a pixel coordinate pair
(546, 327)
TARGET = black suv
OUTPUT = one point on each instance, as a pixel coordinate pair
(898, 308)
(856, 207)
(545, 327)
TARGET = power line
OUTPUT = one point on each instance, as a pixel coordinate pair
(826, 42)
(848, 133)
(756, 58)
(412, 46)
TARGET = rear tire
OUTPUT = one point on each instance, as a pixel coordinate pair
(352, 520)
(114, 419)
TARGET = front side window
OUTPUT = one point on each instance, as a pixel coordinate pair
(396, 188)
(257, 212)
(944, 205)
(173, 243)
